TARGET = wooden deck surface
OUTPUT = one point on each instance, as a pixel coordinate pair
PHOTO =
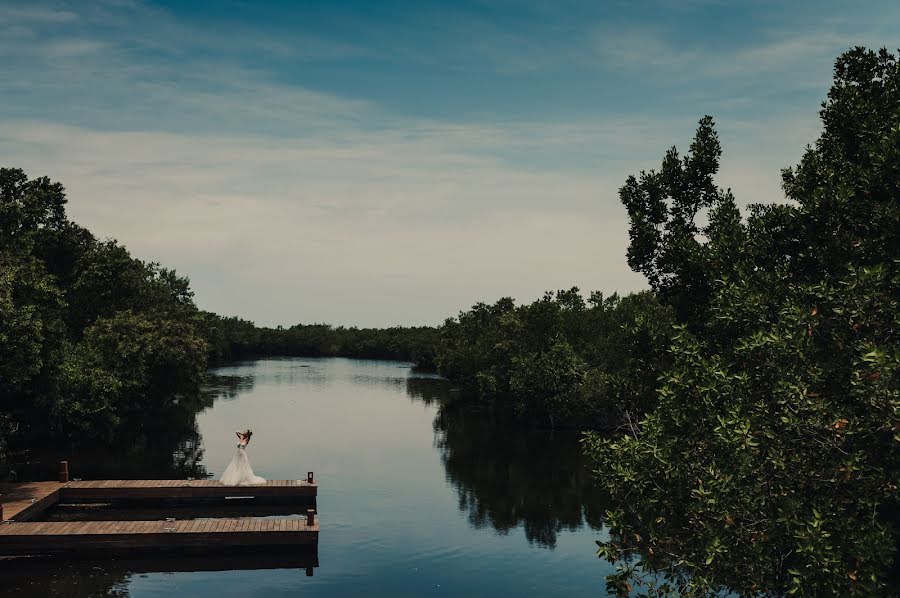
(27, 500)
(181, 489)
(62, 537)
(179, 510)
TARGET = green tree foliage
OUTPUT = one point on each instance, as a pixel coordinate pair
(560, 361)
(28, 206)
(668, 245)
(88, 334)
(770, 463)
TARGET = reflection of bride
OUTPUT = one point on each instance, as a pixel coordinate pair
(239, 472)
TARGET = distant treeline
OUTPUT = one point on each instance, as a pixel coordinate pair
(234, 338)
(561, 361)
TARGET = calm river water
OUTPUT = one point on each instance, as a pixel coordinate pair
(415, 499)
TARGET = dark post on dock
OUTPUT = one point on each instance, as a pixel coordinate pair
(63, 472)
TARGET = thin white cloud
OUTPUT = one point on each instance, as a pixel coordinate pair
(27, 15)
(778, 60)
(642, 47)
(72, 48)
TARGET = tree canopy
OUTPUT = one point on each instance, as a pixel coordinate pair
(769, 464)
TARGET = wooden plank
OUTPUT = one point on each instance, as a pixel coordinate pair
(111, 490)
(27, 500)
(65, 537)
(298, 557)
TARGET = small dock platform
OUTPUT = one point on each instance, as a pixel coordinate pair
(23, 532)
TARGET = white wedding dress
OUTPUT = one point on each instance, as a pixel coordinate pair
(239, 472)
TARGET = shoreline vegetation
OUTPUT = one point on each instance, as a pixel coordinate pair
(746, 409)
(232, 339)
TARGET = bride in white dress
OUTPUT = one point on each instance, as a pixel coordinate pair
(239, 472)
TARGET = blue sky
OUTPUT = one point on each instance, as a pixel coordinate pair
(378, 163)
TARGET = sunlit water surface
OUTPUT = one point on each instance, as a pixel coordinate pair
(416, 498)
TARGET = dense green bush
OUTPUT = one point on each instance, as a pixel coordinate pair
(560, 361)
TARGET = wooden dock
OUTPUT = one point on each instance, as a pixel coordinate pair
(23, 532)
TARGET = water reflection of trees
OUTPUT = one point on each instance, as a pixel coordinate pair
(111, 577)
(163, 445)
(226, 386)
(23, 580)
(508, 476)
(429, 389)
